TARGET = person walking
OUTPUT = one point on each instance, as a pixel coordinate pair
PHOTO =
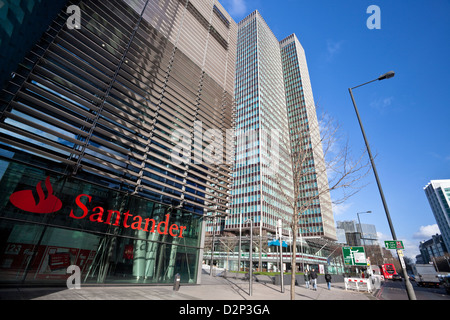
(314, 279)
(307, 279)
(328, 280)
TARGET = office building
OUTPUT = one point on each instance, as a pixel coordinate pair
(306, 147)
(432, 248)
(22, 23)
(274, 101)
(358, 234)
(438, 194)
(262, 177)
(89, 122)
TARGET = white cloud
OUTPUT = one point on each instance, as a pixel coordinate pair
(382, 104)
(236, 8)
(340, 209)
(425, 232)
(411, 247)
(383, 237)
(333, 48)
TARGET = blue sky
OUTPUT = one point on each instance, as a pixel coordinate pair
(406, 118)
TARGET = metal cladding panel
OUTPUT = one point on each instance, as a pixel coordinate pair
(213, 68)
(193, 39)
(103, 101)
(204, 7)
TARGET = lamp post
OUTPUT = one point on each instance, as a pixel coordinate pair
(280, 228)
(250, 284)
(409, 288)
(213, 239)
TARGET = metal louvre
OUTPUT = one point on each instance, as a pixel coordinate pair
(103, 101)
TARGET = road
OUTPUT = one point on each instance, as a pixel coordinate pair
(396, 290)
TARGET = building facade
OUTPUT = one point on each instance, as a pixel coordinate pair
(432, 249)
(262, 177)
(438, 194)
(357, 234)
(275, 103)
(22, 23)
(89, 123)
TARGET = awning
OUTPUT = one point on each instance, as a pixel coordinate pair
(276, 243)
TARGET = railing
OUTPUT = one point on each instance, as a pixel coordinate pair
(358, 284)
(272, 256)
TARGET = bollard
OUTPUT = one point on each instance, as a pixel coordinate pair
(176, 284)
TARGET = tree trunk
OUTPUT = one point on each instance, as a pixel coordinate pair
(294, 228)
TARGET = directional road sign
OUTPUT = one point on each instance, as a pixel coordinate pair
(394, 245)
(354, 256)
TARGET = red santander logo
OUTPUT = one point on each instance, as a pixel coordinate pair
(26, 201)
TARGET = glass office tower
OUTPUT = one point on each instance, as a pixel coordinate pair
(274, 101)
(318, 219)
(87, 125)
(262, 132)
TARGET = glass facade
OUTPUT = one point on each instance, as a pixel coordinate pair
(261, 124)
(88, 125)
(39, 247)
(276, 118)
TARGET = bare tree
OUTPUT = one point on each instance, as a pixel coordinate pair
(322, 162)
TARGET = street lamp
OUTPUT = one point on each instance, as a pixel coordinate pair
(409, 288)
(214, 217)
(250, 284)
(280, 232)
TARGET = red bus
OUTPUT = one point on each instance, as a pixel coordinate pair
(388, 270)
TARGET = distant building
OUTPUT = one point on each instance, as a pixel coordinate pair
(356, 234)
(340, 233)
(438, 194)
(432, 248)
(368, 233)
(419, 259)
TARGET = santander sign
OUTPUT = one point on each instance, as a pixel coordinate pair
(25, 201)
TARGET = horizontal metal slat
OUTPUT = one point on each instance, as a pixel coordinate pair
(35, 150)
(38, 138)
(52, 120)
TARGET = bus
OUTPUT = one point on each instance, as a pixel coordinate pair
(388, 270)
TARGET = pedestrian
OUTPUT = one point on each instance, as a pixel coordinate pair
(307, 279)
(328, 280)
(313, 276)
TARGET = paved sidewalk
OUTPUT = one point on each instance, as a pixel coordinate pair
(212, 288)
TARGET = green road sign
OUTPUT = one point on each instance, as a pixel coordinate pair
(394, 245)
(354, 256)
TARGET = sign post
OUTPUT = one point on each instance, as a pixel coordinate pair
(399, 247)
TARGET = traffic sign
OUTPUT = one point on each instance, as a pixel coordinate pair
(394, 245)
(354, 256)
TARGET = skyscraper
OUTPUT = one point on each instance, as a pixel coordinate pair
(274, 100)
(261, 118)
(87, 139)
(306, 146)
(438, 194)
